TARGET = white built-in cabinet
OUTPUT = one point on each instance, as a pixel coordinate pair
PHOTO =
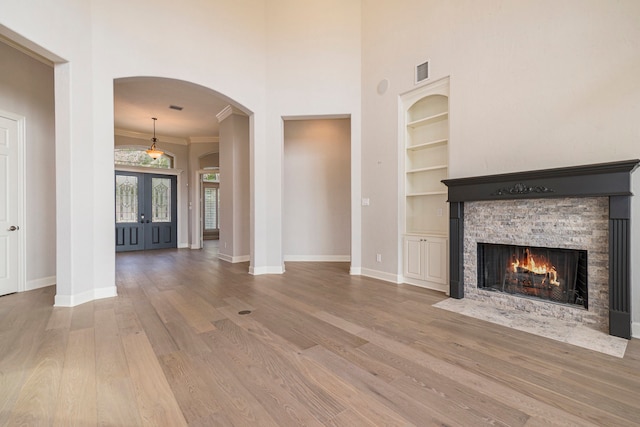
(425, 258)
(426, 163)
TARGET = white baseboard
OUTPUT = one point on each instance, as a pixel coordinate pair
(382, 275)
(635, 329)
(40, 283)
(91, 295)
(427, 285)
(183, 245)
(317, 258)
(257, 271)
(195, 247)
(234, 259)
(355, 271)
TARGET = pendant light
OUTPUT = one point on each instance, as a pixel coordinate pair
(152, 151)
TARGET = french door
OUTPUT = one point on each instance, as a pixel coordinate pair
(145, 210)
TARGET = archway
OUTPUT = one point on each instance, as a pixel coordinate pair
(188, 126)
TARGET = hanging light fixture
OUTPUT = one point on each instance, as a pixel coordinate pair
(152, 151)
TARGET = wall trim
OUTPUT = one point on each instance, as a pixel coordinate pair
(228, 111)
(204, 139)
(257, 271)
(635, 329)
(81, 298)
(234, 259)
(382, 275)
(317, 258)
(40, 283)
(148, 136)
(426, 285)
(355, 271)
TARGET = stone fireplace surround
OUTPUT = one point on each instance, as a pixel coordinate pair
(583, 198)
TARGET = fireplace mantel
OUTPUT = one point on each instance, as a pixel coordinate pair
(612, 180)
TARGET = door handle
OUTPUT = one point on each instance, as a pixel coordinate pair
(13, 228)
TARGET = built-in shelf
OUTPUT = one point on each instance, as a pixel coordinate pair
(427, 193)
(426, 163)
(428, 120)
(430, 168)
(428, 145)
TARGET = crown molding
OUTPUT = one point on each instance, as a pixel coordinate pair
(23, 49)
(148, 136)
(203, 139)
(227, 111)
(317, 117)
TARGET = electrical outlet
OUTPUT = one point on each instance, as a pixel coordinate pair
(378, 257)
(439, 212)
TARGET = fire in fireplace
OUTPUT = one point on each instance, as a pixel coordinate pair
(552, 274)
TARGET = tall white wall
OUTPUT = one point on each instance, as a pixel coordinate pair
(234, 187)
(317, 190)
(534, 84)
(26, 88)
(219, 45)
(61, 31)
(313, 70)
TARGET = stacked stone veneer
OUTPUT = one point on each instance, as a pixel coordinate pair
(571, 223)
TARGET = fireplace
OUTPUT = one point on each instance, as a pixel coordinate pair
(582, 213)
(552, 274)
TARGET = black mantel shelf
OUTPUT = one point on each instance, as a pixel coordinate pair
(602, 179)
(611, 180)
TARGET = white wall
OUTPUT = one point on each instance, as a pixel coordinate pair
(234, 243)
(317, 190)
(313, 69)
(26, 88)
(534, 84)
(95, 42)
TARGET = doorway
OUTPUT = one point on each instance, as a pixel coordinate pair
(210, 210)
(145, 211)
(11, 214)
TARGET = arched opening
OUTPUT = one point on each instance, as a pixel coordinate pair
(190, 127)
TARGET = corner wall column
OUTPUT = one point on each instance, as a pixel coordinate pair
(619, 266)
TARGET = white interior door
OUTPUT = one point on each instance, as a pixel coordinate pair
(9, 205)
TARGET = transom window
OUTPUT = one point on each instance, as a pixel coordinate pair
(211, 177)
(132, 156)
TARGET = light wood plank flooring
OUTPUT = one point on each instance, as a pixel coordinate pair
(319, 348)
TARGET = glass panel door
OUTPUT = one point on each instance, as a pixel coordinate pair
(126, 198)
(128, 205)
(145, 211)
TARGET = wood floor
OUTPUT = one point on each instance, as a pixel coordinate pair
(319, 348)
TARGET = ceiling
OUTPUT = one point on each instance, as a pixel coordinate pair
(138, 99)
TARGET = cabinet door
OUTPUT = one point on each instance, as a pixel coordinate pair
(413, 257)
(436, 260)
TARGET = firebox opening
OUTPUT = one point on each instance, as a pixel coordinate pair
(552, 274)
